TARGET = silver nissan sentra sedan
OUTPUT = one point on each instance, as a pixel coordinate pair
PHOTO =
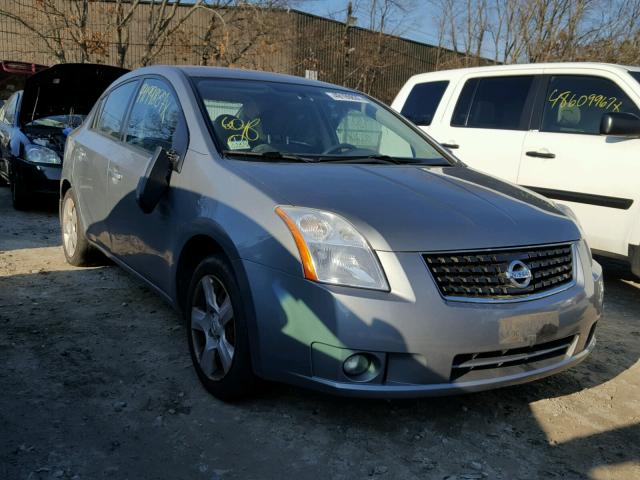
(310, 235)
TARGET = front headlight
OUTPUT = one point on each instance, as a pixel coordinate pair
(570, 213)
(40, 154)
(332, 250)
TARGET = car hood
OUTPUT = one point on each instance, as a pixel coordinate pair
(412, 208)
(65, 88)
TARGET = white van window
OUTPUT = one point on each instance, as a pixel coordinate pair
(423, 101)
(493, 102)
(576, 103)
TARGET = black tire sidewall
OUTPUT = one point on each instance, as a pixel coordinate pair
(240, 380)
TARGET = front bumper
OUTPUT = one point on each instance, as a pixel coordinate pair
(305, 330)
(37, 178)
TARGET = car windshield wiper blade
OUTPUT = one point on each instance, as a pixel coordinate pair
(381, 159)
(267, 156)
(359, 159)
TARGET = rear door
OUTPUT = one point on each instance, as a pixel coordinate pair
(91, 150)
(140, 240)
(486, 124)
(566, 159)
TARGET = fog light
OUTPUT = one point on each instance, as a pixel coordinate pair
(356, 365)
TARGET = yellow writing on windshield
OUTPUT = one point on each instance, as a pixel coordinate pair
(246, 130)
(571, 99)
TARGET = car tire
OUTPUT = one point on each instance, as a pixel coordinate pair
(217, 331)
(20, 198)
(77, 249)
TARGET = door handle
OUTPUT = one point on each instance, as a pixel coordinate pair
(452, 145)
(541, 154)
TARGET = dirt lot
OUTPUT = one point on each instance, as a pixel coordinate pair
(96, 382)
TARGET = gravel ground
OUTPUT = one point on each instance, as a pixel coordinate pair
(96, 383)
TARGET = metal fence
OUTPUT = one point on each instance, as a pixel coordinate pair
(287, 41)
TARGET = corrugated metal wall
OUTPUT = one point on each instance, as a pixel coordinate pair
(280, 41)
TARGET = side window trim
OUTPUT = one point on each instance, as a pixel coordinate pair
(538, 103)
(538, 88)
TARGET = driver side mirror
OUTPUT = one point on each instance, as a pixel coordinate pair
(155, 182)
(620, 124)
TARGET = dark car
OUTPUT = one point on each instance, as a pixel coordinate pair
(35, 122)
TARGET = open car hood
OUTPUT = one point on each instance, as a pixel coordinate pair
(64, 89)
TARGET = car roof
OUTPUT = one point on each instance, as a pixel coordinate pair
(457, 72)
(229, 73)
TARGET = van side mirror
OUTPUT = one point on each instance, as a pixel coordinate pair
(155, 182)
(621, 124)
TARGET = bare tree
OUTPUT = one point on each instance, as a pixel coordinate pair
(165, 17)
(61, 26)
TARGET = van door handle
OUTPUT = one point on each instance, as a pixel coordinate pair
(541, 154)
(450, 145)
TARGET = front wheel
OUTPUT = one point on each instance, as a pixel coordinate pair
(76, 248)
(217, 331)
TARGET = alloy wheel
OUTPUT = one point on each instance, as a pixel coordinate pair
(69, 226)
(213, 328)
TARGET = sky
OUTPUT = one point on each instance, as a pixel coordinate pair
(422, 30)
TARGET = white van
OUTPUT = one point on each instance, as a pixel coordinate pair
(569, 131)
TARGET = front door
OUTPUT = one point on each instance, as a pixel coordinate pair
(141, 240)
(91, 150)
(567, 160)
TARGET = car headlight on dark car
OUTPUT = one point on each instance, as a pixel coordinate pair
(40, 154)
(332, 250)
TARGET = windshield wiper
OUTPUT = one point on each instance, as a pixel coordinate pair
(376, 158)
(359, 159)
(268, 156)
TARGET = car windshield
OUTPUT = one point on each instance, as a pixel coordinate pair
(635, 74)
(58, 121)
(275, 121)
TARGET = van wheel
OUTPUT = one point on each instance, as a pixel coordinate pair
(20, 198)
(217, 331)
(76, 248)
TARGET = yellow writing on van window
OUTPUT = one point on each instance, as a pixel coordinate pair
(571, 99)
(156, 97)
(246, 130)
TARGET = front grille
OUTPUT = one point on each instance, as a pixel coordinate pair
(484, 274)
(466, 363)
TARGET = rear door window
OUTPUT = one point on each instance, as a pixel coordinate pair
(494, 102)
(576, 103)
(155, 117)
(423, 101)
(114, 109)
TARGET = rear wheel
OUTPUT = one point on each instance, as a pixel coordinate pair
(217, 331)
(76, 248)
